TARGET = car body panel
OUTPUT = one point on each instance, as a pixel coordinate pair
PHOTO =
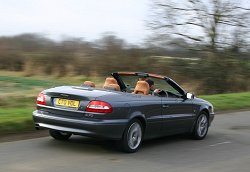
(178, 114)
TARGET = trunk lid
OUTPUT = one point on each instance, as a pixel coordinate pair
(69, 101)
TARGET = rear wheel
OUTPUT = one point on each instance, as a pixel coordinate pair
(201, 127)
(59, 135)
(132, 137)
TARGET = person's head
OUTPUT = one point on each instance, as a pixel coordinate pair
(142, 78)
(150, 83)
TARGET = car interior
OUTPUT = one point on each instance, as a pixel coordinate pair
(111, 84)
(88, 84)
(137, 85)
(141, 87)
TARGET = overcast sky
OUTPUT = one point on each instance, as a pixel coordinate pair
(77, 18)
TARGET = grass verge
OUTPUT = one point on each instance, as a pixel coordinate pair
(15, 120)
(231, 101)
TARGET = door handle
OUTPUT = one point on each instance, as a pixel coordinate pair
(165, 106)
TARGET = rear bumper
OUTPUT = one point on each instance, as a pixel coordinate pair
(110, 129)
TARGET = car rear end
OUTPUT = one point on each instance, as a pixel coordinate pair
(78, 110)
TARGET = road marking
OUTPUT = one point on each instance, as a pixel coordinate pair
(221, 143)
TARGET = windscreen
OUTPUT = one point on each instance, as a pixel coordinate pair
(131, 80)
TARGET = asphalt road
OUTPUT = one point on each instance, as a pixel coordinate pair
(226, 148)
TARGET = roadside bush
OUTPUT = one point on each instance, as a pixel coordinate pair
(217, 72)
(12, 61)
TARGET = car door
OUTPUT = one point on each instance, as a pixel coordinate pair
(151, 107)
(177, 114)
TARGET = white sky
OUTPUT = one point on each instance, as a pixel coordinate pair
(77, 18)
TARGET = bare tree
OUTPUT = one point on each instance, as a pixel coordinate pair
(212, 23)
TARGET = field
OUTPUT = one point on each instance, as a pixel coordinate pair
(18, 96)
(231, 101)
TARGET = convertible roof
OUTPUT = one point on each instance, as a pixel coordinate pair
(142, 74)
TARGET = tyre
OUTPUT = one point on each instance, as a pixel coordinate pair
(132, 137)
(59, 135)
(201, 127)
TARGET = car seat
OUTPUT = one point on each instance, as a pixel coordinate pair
(111, 84)
(88, 84)
(141, 87)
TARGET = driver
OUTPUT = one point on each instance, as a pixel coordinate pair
(152, 89)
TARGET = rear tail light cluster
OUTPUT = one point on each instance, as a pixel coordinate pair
(99, 107)
(41, 99)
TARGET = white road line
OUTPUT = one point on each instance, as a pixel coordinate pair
(221, 143)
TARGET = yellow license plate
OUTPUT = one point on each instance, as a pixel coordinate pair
(67, 103)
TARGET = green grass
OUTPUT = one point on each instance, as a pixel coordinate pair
(18, 96)
(22, 81)
(14, 120)
(12, 84)
(231, 101)
(15, 114)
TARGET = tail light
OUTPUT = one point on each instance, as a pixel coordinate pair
(99, 107)
(41, 99)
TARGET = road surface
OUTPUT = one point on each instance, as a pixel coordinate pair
(226, 149)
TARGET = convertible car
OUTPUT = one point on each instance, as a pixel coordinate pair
(128, 108)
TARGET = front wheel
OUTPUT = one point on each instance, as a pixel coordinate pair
(59, 135)
(132, 137)
(201, 127)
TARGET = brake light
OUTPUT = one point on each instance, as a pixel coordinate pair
(41, 99)
(99, 107)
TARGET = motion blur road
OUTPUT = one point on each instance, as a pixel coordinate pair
(226, 148)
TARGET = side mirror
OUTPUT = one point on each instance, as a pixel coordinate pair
(189, 96)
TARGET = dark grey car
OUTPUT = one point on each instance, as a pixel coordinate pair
(124, 110)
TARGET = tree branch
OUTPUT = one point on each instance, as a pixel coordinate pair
(189, 37)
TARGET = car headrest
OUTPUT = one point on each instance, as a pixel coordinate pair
(141, 87)
(114, 87)
(88, 84)
(109, 81)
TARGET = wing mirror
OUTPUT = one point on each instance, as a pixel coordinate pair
(189, 96)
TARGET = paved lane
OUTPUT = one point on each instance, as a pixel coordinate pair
(226, 148)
